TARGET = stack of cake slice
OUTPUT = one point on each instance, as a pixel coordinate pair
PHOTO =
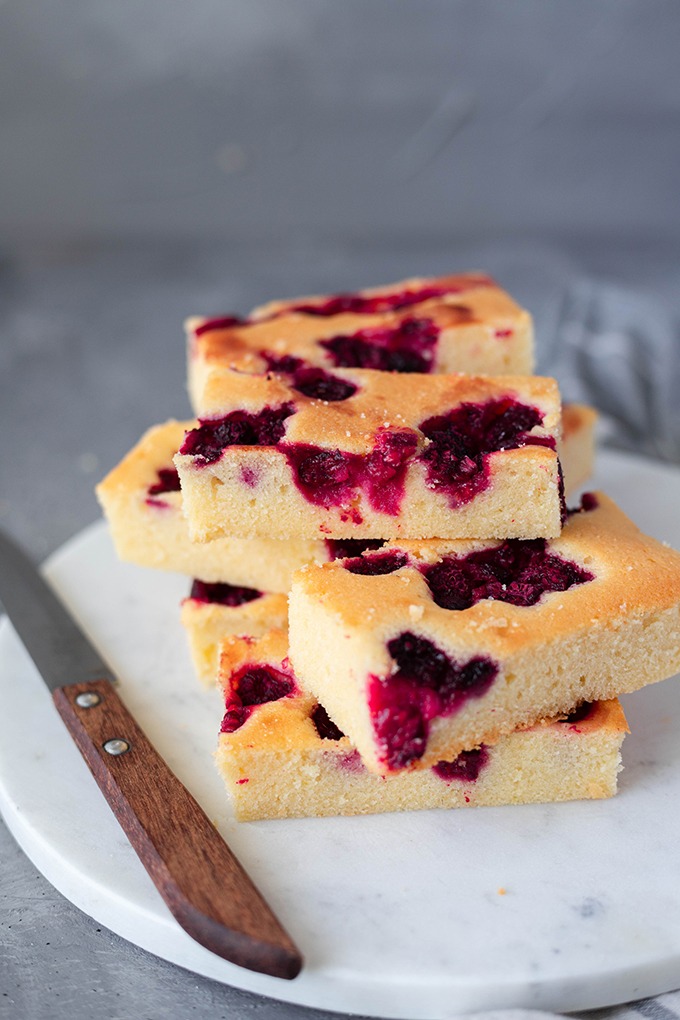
(456, 637)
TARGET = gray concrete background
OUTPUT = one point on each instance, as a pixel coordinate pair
(160, 161)
(401, 118)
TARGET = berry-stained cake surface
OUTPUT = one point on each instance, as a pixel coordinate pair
(281, 756)
(214, 611)
(376, 455)
(461, 323)
(426, 648)
(142, 502)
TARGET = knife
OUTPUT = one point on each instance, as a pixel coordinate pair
(203, 884)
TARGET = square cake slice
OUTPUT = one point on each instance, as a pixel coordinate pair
(374, 455)
(213, 612)
(142, 502)
(461, 323)
(430, 648)
(281, 756)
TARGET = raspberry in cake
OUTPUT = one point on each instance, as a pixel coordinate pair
(450, 644)
(214, 611)
(462, 323)
(255, 681)
(284, 757)
(416, 455)
(143, 505)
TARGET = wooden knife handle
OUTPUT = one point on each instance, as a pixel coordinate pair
(199, 878)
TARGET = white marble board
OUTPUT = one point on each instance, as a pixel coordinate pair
(562, 907)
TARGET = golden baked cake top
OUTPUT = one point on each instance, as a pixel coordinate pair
(601, 568)
(147, 470)
(391, 328)
(367, 403)
(411, 293)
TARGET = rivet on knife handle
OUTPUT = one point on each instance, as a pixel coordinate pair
(199, 878)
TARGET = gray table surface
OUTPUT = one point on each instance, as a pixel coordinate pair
(91, 354)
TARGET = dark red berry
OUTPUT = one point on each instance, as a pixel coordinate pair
(426, 683)
(517, 571)
(465, 768)
(222, 594)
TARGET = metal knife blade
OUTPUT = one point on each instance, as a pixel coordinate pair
(55, 642)
(201, 881)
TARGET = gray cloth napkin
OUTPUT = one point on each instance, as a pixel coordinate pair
(618, 350)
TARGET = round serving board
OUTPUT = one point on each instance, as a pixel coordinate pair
(562, 907)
